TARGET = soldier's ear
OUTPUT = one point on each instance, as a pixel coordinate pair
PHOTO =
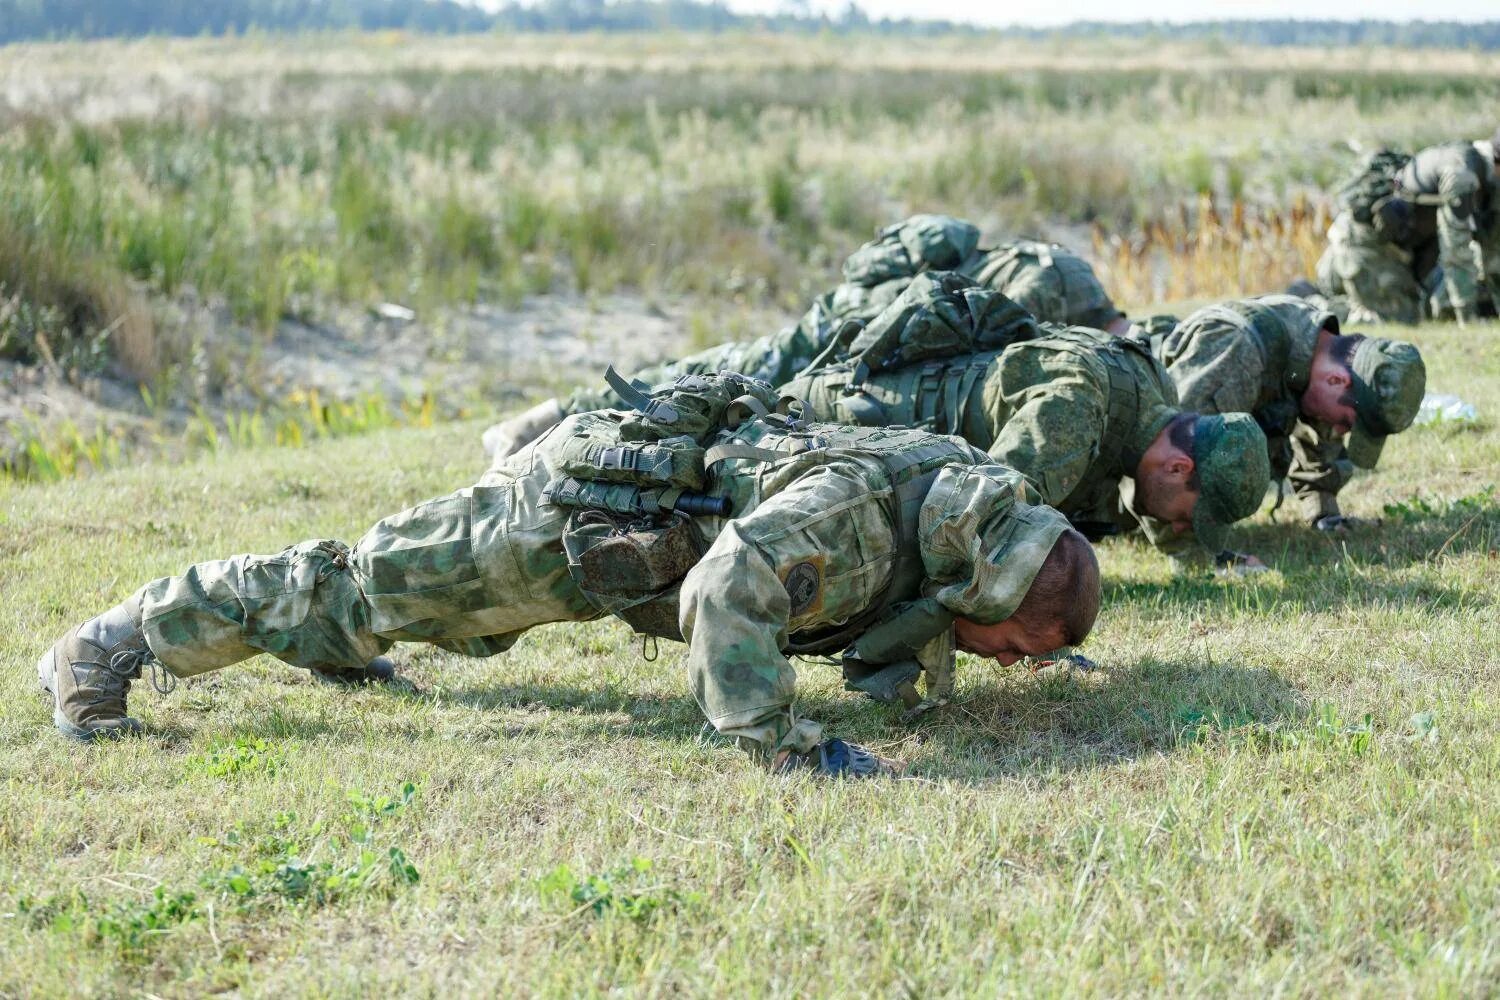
(1180, 466)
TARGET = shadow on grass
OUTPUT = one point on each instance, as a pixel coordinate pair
(1061, 721)
(1319, 572)
(1006, 726)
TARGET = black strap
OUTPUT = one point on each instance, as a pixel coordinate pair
(638, 399)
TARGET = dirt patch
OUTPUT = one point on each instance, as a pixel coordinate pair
(483, 358)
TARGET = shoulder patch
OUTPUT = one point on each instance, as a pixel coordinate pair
(804, 586)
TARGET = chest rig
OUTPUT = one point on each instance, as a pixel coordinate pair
(1127, 364)
(945, 396)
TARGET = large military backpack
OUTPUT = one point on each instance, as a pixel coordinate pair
(906, 249)
(635, 480)
(1369, 190)
(940, 335)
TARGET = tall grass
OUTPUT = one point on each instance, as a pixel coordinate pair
(734, 171)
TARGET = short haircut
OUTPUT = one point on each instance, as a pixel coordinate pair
(1180, 432)
(1341, 349)
(1064, 593)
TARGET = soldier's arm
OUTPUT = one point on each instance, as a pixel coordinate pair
(1320, 468)
(818, 553)
(1458, 188)
(1052, 435)
(1217, 368)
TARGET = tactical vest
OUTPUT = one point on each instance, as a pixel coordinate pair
(1123, 360)
(629, 561)
(944, 396)
(1084, 300)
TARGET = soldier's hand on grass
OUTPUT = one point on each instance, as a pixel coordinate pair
(1342, 524)
(1230, 563)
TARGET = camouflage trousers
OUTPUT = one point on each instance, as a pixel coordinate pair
(469, 572)
(1488, 244)
(1377, 278)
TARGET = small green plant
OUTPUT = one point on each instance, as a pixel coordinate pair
(291, 865)
(619, 891)
(1420, 508)
(240, 757)
(128, 926)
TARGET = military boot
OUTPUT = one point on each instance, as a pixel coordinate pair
(88, 674)
(510, 436)
(381, 670)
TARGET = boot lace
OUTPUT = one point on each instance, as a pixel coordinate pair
(127, 663)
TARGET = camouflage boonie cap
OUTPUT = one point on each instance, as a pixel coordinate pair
(1234, 469)
(984, 541)
(1389, 382)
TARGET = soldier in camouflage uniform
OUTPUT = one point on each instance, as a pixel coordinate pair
(1428, 247)
(834, 529)
(1283, 360)
(1091, 420)
(1050, 281)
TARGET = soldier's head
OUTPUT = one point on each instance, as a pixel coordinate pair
(1017, 578)
(1365, 387)
(1058, 610)
(1204, 473)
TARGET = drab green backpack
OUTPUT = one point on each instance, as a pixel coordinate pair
(1371, 184)
(906, 249)
(650, 458)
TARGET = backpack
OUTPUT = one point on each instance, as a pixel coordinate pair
(940, 315)
(906, 249)
(635, 479)
(650, 459)
(1371, 185)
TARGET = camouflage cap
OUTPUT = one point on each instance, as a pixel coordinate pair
(983, 541)
(1389, 382)
(1234, 469)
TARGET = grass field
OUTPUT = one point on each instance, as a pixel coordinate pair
(1284, 785)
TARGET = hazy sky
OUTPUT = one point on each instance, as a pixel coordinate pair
(1042, 12)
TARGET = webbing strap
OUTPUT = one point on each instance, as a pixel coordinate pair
(1124, 405)
(638, 399)
(962, 398)
(734, 449)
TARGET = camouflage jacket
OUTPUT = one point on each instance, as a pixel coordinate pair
(1254, 356)
(827, 532)
(1072, 411)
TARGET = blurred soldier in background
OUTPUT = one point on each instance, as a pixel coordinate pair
(1417, 236)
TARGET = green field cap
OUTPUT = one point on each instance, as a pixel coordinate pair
(1230, 454)
(1389, 382)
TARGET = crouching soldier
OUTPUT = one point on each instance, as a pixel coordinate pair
(1325, 400)
(1049, 281)
(1091, 420)
(704, 515)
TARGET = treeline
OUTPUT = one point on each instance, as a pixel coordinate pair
(57, 19)
(1483, 35)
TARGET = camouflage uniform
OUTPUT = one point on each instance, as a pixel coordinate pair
(814, 546)
(1049, 281)
(1073, 411)
(1255, 356)
(1446, 197)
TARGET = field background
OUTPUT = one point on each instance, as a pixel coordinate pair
(1280, 785)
